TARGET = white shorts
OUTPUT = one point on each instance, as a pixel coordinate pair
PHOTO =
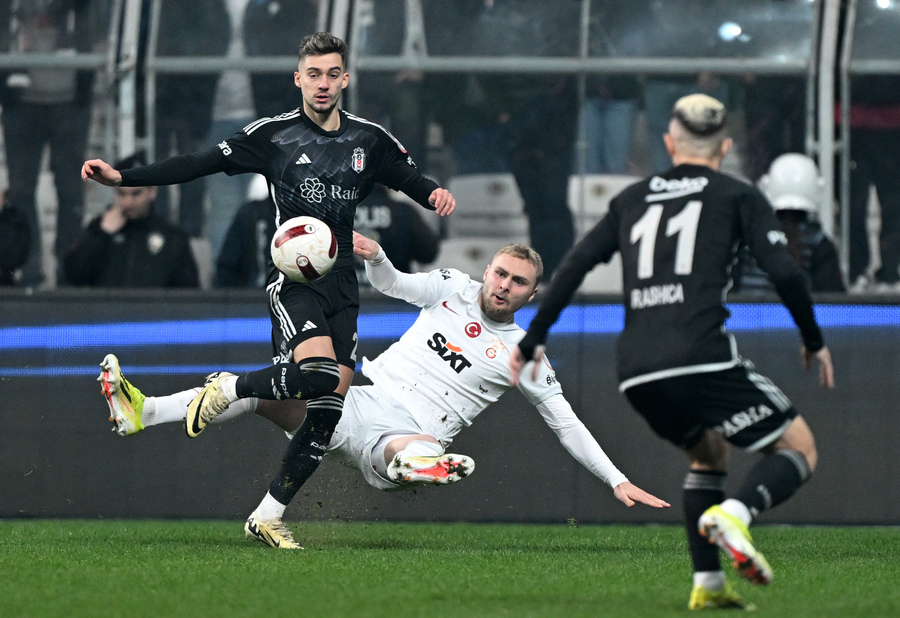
(370, 414)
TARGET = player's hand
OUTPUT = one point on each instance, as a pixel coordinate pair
(826, 368)
(102, 172)
(517, 362)
(628, 494)
(365, 247)
(443, 202)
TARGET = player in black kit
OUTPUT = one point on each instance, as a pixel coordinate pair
(678, 234)
(322, 162)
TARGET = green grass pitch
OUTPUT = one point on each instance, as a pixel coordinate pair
(75, 568)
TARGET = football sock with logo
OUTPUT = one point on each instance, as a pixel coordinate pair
(702, 489)
(304, 453)
(774, 479)
(312, 377)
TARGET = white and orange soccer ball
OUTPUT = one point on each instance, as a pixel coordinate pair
(304, 249)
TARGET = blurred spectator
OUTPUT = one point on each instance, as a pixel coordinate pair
(397, 100)
(232, 111)
(48, 106)
(184, 102)
(539, 146)
(15, 240)
(130, 246)
(513, 122)
(273, 28)
(399, 228)
(396, 225)
(875, 160)
(606, 121)
(797, 192)
(243, 261)
(775, 114)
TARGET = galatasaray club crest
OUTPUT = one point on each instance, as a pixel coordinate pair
(358, 163)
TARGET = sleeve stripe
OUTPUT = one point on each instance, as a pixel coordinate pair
(374, 124)
(253, 126)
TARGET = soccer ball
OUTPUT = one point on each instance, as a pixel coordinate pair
(304, 249)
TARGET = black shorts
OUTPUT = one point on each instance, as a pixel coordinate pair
(326, 307)
(745, 407)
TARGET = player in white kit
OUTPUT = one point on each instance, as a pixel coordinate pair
(450, 365)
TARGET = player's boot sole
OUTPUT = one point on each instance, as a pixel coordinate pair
(126, 403)
(443, 470)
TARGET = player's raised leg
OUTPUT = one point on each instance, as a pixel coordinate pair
(131, 411)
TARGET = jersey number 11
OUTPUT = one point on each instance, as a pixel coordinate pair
(684, 225)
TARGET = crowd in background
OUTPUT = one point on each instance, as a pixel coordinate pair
(530, 126)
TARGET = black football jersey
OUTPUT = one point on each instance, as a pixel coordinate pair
(312, 172)
(323, 174)
(678, 234)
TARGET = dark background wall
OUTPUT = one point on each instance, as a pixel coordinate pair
(59, 459)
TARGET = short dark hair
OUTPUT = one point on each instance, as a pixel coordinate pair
(138, 159)
(321, 43)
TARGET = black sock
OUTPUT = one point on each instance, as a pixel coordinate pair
(312, 377)
(774, 479)
(702, 489)
(304, 453)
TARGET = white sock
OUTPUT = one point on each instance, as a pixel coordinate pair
(227, 384)
(422, 448)
(173, 408)
(167, 409)
(270, 508)
(236, 409)
(738, 509)
(711, 580)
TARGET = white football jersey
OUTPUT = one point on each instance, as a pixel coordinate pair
(454, 359)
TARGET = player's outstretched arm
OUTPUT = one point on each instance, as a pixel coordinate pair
(102, 172)
(823, 359)
(443, 202)
(628, 494)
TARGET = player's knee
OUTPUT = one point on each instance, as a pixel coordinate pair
(314, 377)
(812, 458)
(799, 438)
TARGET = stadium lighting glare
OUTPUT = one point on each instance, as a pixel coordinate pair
(884, 5)
(730, 31)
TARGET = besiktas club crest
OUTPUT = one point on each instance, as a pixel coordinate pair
(358, 163)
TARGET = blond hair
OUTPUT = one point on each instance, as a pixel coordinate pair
(524, 252)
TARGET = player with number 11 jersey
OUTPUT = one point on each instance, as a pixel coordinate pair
(678, 234)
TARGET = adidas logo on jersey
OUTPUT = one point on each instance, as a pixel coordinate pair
(303, 160)
(308, 326)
